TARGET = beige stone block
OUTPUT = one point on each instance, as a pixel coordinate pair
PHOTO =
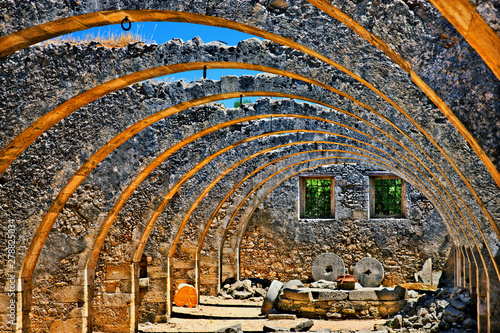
(333, 295)
(126, 286)
(297, 294)
(157, 284)
(363, 295)
(156, 296)
(156, 272)
(184, 264)
(4, 322)
(115, 328)
(361, 305)
(348, 312)
(209, 279)
(118, 271)
(77, 313)
(388, 295)
(110, 285)
(67, 326)
(144, 282)
(6, 302)
(116, 300)
(308, 309)
(67, 294)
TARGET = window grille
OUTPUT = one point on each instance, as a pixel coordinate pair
(388, 197)
(318, 198)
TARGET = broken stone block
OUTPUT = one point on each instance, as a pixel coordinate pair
(293, 284)
(425, 275)
(297, 295)
(281, 316)
(269, 328)
(242, 294)
(333, 295)
(303, 327)
(363, 295)
(271, 296)
(231, 329)
(397, 322)
(323, 284)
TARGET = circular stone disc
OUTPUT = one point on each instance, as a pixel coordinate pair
(327, 266)
(369, 272)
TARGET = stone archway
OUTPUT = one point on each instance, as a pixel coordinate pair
(457, 155)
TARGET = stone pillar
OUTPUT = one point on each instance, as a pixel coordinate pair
(24, 294)
(458, 265)
(197, 275)
(466, 269)
(170, 286)
(88, 299)
(482, 300)
(135, 301)
(494, 305)
(117, 299)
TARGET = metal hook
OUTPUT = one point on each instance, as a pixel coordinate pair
(241, 101)
(125, 21)
(204, 72)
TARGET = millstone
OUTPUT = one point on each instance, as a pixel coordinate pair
(271, 296)
(327, 266)
(369, 272)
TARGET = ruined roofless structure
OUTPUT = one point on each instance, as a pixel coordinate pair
(113, 188)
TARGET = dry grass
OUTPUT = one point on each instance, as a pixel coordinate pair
(110, 40)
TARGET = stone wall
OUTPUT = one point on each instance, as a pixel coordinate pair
(277, 244)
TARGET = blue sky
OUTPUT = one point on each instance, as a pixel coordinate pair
(161, 32)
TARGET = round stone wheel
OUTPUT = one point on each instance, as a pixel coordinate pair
(327, 266)
(369, 272)
(271, 296)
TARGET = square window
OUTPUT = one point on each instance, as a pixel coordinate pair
(316, 197)
(387, 195)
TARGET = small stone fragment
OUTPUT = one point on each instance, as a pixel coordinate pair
(397, 322)
(231, 329)
(281, 316)
(303, 327)
(458, 304)
(269, 328)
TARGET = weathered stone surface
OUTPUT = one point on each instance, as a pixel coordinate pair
(333, 295)
(425, 275)
(303, 326)
(327, 266)
(281, 316)
(324, 284)
(271, 296)
(231, 329)
(270, 328)
(369, 272)
(297, 294)
(293, 284)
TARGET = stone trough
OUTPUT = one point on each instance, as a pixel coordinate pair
(326, 303)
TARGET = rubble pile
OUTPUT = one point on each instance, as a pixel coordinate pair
(253, 289)
(446, 310)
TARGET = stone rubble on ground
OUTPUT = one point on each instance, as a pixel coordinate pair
(252, 289)
(447, 310)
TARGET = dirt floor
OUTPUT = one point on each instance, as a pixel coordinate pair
(214, 313)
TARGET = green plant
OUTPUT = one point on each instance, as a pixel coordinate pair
(237, 103)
